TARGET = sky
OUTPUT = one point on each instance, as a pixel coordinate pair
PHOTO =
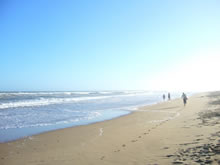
(109, 45)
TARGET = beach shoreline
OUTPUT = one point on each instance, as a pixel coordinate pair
(163, 133)
(27, 114)
(131, 111)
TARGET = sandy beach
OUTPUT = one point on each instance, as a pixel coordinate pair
(165, 133)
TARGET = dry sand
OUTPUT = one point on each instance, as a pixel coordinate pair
(166, 133)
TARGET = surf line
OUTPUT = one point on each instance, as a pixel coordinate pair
(100, 131)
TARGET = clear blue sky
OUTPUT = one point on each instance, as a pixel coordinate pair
(107, 44)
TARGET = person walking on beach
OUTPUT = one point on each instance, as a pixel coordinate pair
(164, 97)
(184, 98)
(168, 96)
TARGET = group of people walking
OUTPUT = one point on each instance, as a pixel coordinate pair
(168, 96)
(184, 97)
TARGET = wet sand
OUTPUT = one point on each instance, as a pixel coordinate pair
(165, 133)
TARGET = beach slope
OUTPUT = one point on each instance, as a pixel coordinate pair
(165, 133)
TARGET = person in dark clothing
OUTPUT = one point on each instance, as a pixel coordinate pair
(184, 98)
(168, 96)
(164, 97)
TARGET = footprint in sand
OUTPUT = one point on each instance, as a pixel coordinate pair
(139, 136)
(134, 141)
(102, 157)
(123, 145)
(117, 151)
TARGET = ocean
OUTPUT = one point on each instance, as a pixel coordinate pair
(25, 114)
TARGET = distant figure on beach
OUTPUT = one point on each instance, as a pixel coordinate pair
(184, 98)
(168, 96)
(164, 97)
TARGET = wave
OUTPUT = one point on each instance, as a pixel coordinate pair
(69, 93)
(88, 117)
(43, 101)
(41, 93)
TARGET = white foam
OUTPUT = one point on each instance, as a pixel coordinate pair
(48, 101)
(43, 101)
(41, 93)
(105, 92)
(82, 93)
(42, 123)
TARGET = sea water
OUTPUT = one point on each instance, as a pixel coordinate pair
(28, 113)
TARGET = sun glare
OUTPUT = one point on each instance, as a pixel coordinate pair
(200, 73)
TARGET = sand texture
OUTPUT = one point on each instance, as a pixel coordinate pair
(166, 133)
